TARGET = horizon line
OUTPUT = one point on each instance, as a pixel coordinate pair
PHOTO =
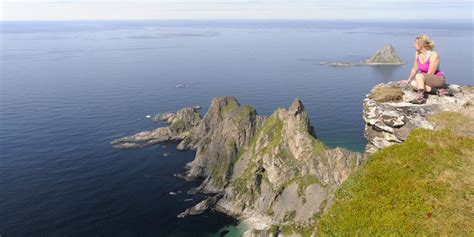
(468, 20)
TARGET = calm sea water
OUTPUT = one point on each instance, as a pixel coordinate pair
(69, 88)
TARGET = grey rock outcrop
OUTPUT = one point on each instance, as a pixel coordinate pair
(168, 117)
(389, 122)
(385, 56)
(225, 129)
(180, 123)
(201, 207)
(258, 233)
(285, 174)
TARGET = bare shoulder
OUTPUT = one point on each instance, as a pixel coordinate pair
(434, 54)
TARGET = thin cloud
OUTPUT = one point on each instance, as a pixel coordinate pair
(241, 9)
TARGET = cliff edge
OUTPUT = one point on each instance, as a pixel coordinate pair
(389, 116)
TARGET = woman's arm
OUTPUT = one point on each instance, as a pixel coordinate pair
(414, 70)
(434, 63)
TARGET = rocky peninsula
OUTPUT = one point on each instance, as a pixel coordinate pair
(271, 170)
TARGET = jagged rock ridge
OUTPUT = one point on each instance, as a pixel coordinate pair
(285, 174)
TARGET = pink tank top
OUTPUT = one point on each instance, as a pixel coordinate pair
(424, 67)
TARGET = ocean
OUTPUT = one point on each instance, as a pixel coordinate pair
(70, 87)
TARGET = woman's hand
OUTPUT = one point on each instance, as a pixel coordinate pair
(404, 81)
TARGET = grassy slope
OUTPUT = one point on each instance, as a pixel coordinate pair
(424, 186)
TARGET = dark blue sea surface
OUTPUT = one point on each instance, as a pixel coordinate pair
(69, 88)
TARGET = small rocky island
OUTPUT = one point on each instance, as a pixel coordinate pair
(385, 56)
(271, 171)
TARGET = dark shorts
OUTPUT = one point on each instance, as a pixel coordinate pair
(434, 81)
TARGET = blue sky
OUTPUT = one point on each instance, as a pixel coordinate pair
(235, 9)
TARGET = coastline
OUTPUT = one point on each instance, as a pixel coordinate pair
(75, 145)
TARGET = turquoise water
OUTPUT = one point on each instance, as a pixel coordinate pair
(69, 88)
(234, 231)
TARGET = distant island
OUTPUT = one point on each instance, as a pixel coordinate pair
(385, 56)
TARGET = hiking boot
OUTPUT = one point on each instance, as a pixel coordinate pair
(420, 98)
(444, 91)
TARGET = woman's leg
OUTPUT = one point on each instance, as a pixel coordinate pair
(438, 85)
(413, 85)
(434, 81)
(421, 82)
(421, 94)
(429, 83)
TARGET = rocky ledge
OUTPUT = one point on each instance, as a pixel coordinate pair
(179, 126)
(389, 116)
(268, 169)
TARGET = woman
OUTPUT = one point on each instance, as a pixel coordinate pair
(430, 79)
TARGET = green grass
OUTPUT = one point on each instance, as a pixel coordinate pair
(303, 231)
(178, 126)
(424, 186)
(454, 121)
(303, 182)
(228, 107)
(271, 127)
(243, 184)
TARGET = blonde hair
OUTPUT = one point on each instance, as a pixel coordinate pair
(425, 42)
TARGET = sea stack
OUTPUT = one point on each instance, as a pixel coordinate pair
(385, 56)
